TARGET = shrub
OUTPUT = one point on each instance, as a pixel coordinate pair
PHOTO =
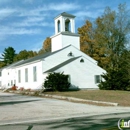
(29, 89)
(14, 88)
(115, 80)
(57, 82)
(21, 88)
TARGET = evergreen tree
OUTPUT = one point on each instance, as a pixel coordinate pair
(8, 55)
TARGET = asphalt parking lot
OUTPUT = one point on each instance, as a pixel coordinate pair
(16, 108)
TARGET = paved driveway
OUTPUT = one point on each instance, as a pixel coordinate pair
(18, 108)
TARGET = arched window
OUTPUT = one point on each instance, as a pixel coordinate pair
(82, 60)
(58, 23)
(67, 25)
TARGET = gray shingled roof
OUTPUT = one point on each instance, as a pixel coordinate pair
(70, 33)
(39, 57)
(11, 65)
(66, 15)
(61, 65)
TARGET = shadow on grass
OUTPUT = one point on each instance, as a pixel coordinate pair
(65, 90)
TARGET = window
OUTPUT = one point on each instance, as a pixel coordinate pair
(97, 79)
(70, 54)
(82, 60)
(26, 75)
(67, 25)
(0, 83)
(0, 73)
(34, 74)
(69, 79)
(14, 82)
(58, 26)
(19, 76)
(11, 82)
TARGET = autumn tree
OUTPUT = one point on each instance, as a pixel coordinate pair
(41, 51)
(31, 54)
(46, 46)
(89, 43)
(87, 38)
(116, 32)
(8, 55)
(111, 35)
(24, 54)
(106, 38)
(106, 41)
(2, 64)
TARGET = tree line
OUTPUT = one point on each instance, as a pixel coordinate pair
(9, 55)
(106, 39)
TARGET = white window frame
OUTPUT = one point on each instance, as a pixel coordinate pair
(97, 79)
(26, 74)
(19, 76)
(34, 73)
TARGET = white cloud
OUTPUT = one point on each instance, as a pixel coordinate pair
(5, 12)
(83, 14)
(29, 21)
(30, 12)
(62, 6)
(32, 21)
(39, 11)
(21, 17)
(18, 31)
(95, 5)
(42, 9)
(89, 13)
(27, 24)
(21, 31)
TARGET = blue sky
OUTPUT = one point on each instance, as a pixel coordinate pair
(25, 24)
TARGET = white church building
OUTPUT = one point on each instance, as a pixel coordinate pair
(83, 71)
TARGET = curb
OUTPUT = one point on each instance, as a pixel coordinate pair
(72, 99)
(79, 100)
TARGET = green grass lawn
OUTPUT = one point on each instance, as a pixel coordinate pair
(120, 97)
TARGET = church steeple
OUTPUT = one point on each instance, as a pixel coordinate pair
(64, 22)
(64, 32)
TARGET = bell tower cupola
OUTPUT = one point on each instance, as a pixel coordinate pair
(64, 32)
(64, 22)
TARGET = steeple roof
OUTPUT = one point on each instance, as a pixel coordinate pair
(66, 15)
